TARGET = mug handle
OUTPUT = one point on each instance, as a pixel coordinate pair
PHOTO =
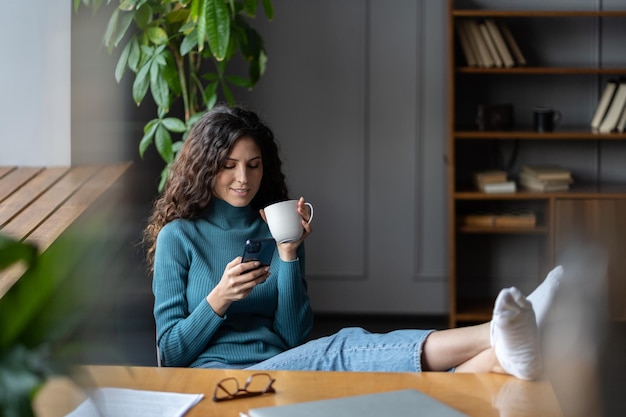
(311, 209)
(557, 117)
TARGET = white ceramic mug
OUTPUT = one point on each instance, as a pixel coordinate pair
(284, 220)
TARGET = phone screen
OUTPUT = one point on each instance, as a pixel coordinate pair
(261, 250)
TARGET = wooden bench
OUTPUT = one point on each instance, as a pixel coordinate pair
(37, 204)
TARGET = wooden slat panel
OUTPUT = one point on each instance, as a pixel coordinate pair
(41, 203)
(5, 170)
(28, 193)
(24, 223)
(58, 221)
(13, 179)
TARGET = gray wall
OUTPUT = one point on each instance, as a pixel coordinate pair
(356, 93)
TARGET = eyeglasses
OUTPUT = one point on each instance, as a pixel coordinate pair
(256, 384)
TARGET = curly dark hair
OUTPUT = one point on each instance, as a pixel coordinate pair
(188, 189)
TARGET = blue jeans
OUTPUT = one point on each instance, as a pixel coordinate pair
(354, 349)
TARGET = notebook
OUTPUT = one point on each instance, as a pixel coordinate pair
(402, 403)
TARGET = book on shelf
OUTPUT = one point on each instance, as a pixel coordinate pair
(499, 187)
(466, 45)
(519, 57)
(498, 39)
(548, 172)
(478, 220)
(615, 109)
(521, 219)
(504, 219)
(621, 124)
(491, 46)
(533, 183)
(603, 103)
(490, 176)
(484, 56)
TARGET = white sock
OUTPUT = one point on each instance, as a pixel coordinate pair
(514, 335)
(542, 297)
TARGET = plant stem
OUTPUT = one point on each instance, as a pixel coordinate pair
(182, 78)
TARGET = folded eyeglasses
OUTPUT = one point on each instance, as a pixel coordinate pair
(256, 385)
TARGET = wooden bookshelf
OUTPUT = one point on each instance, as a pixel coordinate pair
(482, 257)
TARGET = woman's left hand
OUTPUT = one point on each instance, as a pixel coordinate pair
(287, 250)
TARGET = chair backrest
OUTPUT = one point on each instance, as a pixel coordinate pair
(158, 355)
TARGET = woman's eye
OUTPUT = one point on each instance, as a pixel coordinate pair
(228, 167)
(254, 166)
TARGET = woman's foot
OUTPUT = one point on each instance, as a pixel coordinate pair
(541, 298)
(515, 336)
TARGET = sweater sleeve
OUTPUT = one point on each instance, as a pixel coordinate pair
(182, 330)
(293, 319)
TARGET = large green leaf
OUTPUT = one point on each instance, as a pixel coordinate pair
(174, 124)
(268, 8)
(158, 86)
(141, 83)
(189, 43)
(13, 251)
(122, 62)
(148, 136)
(134, 58)
(156, 35)
(217, 27)
(110, 30)
(127, 19)
(163, 143)
(249, 7)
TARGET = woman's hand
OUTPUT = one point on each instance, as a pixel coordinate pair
(287, 250)
(236, 283)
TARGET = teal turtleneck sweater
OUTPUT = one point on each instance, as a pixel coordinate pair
(189, 262)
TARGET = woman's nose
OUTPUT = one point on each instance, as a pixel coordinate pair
(242, 175)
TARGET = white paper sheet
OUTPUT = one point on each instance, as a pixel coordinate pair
(120, 402)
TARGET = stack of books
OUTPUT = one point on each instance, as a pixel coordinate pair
(545, 178)
(610, 113)
(494, 181)
(488, 43)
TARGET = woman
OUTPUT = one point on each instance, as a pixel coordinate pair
(211, 310)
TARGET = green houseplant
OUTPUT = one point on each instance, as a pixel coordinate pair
(32, 325)
(180, 51)
(44, 313)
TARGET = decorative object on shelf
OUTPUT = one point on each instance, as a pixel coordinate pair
(494, 116)
(545, 119)
(545, 178)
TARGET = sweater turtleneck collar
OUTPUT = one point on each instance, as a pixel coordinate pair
(226, 216)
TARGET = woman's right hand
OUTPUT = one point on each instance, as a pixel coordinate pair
(236, 283)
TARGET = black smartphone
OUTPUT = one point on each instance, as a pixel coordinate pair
(261, 250)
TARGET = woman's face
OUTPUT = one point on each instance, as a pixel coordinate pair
(239, 178)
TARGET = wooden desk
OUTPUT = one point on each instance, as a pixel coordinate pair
(37, 204)
(481, 395)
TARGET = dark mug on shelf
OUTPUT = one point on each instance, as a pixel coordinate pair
(545, 119)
